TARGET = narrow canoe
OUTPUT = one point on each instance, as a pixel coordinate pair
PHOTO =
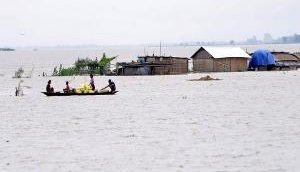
(79, 94)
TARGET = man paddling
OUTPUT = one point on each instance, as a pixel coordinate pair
(111, 85)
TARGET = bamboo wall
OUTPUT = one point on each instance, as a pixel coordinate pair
(203, 62)
(179, 66)
(230, 65)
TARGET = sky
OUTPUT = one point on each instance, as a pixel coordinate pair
(117, 22)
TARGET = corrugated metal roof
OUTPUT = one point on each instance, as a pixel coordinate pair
(285, 56)
(297, 54)
(167, 57)
(225, 52)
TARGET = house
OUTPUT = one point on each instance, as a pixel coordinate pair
(154, 65)
(286, 60)
(220, 59)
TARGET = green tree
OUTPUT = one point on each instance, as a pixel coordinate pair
(104, 63)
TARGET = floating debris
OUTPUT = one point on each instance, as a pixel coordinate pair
(206, 78)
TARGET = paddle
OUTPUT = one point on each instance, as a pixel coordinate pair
(103, 88)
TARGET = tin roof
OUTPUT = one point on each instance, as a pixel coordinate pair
(285, 56)
(168, 57)
(224, 52)
(134, 65)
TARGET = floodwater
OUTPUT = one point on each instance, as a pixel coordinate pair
(248, 121)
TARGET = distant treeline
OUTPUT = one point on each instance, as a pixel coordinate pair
(83, 66)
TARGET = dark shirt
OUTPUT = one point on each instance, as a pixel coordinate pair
(48, 88)
(112, 86)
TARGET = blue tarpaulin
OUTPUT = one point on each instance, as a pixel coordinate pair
(261, 58)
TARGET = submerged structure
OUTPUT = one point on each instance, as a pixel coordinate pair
(154, 65)
(220, 59)
(286, 61)
(263, 60)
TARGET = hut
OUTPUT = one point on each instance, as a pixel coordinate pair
(220, 59)
(154, 65)
(286, 61)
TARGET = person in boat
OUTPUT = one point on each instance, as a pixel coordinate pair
(67, 89)
(111, 85)
(92, 83)
(49, 89)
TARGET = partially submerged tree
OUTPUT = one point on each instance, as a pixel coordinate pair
(55, 72)
(104, 64)
(85, 66)
(19, 90)
(19, 73)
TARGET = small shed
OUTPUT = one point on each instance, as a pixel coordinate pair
(220, 59)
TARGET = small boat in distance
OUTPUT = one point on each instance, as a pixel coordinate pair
(7, 49)
(79, 94)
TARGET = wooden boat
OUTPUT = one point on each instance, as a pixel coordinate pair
(79, 94)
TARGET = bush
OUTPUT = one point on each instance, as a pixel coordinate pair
(19, 73)
(85, 66)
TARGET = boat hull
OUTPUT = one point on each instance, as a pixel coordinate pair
(78, 94)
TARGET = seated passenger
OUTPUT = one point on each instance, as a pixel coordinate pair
(92, 83)
(49, 89)
(67, 89)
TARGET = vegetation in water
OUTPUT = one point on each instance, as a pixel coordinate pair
(19, 73)
(84, 66)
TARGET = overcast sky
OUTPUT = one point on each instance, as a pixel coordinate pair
(77, 22)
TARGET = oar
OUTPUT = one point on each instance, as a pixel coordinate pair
(103, 88)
